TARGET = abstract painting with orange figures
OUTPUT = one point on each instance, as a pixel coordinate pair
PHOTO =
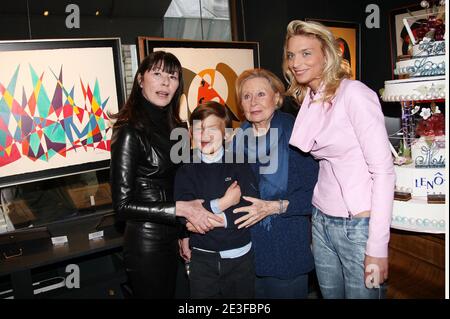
(54, 108)
(210, 74)
(210, 70)
(347, 40)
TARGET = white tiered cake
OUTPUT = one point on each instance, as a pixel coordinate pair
(423, 75)
(419, 213)
(421, 185)
(415, 89)
(428, 59)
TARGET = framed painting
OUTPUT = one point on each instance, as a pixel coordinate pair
(415, 17)
(56, 98)
(348, 36)
(210, 69)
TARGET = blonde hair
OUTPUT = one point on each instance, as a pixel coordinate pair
(275, 83)
(336, 68)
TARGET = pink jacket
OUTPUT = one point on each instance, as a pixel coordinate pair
(356, 172)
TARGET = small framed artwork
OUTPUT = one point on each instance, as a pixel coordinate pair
(56, 97)
(210, 69)
(90, 196)
(348, 36)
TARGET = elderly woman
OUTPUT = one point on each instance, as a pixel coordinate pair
(341, 124)
(280, 220)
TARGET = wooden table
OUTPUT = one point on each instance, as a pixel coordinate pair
(416, 265)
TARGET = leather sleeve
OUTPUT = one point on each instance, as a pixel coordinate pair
(125, 152)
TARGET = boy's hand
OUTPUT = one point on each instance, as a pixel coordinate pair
(185, 251)
(213, 222)
(231, 197)
(196, 214)
(216, 223)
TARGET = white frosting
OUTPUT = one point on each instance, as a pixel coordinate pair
(420, 181)
(424, 66)
(414, 89)
(417, 214)
(428, 154)
(429, 48)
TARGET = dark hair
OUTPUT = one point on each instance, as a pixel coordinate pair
(133, 112)
(202, 111)
(343, 45)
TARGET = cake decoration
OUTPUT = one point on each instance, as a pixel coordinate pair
(421, 182)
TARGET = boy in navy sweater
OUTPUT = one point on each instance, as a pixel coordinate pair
(221, 261)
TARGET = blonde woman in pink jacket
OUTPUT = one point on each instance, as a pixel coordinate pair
(341, 124)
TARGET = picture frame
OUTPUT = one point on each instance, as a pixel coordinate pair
(398, 34)
(56, 98)
(348, 35)
(90, 196)
(210, 69)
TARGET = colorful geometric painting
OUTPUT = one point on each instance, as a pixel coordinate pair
(55, 107)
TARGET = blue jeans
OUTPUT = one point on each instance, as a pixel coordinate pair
(339, 249)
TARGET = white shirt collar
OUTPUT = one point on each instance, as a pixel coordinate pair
(212, 158)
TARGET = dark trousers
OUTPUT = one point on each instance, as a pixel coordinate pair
(275, 288)
(213, 277)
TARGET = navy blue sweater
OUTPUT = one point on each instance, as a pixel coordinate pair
(284, 251)
(208, 182)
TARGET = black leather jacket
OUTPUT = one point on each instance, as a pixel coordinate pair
(142, 177)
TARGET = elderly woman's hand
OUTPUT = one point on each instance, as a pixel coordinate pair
(257, 211)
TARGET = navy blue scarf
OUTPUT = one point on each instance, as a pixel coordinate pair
(272, 158)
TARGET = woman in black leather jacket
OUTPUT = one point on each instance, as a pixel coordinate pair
(142, 176)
